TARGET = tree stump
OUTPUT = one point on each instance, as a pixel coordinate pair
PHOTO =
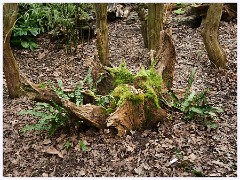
(166, 58)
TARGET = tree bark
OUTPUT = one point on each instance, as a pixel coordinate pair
(10, 67)
(102, 33)
(209, 33)
(166, 58)
(143, 18)
(155, 24)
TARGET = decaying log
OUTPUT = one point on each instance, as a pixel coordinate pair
(166, 58)
(46, 94)
(229, 11)
(90, 114)
(153, 115)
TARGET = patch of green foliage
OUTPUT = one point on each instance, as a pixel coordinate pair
(36, 18)
(151, 82)
(68, 144)
(197, 173)
(195, 105)
(51, 118)
(82, 145)
(42, 85)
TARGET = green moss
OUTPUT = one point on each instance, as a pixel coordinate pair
(151, 82)
(121, 74)
(147, 80)
(151, 94)
(151, 77)
(123, 92)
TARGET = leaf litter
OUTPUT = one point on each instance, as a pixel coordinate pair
(148, 153)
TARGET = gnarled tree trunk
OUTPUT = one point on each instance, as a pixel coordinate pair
(102, 33)
(10, 67)
(154, 24)
(209, 33)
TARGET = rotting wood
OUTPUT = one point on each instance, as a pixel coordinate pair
(90, 114)
(166, 58)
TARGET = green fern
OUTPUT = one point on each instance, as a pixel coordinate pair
(78, 94)
(89, 80)
(194, 104)
(51, 118)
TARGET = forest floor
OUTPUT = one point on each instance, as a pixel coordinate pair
(213, 152)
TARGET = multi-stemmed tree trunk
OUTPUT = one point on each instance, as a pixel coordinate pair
(102, 33)
(10, 67)
(209, 33)
(154, 24)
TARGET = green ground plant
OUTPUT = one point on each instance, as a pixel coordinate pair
(195, 105)
(36, 18)
(51, 118)
(82, 145)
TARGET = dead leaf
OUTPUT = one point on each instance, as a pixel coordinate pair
(218, 163)
(44, 175)
(138, 170)
(46, 141)
(41, 55)
(52, 150)
(192, 156)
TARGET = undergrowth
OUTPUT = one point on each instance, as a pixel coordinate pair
(36, 18)
(195, 106)
(145, 85)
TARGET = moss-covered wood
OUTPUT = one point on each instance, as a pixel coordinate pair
(166, 58)
(209, 33)
(102, 33)
(10, 67)
(135, 102)
(154, 24)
